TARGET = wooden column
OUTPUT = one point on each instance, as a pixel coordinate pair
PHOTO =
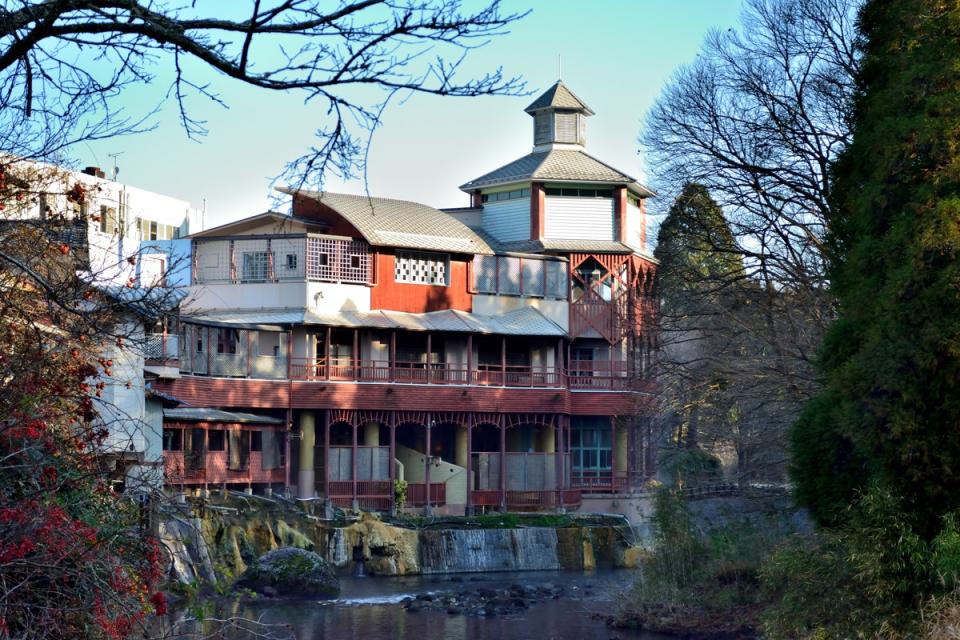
(327, 351)
(559, 362)
(290, 356)
(469, 358)
(558, 459)
(209, 348)
(353, 463)
(503, 464)
(426, 462)
(286, 451)
(503, 361)
(249, 353)
(393, 463)
(355, 355)
(613, 452)
(469, 507)
(393, 355)
(429, 365)
(326, 455)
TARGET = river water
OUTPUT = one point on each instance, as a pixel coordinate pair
(369, 609)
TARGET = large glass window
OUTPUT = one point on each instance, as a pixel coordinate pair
(516, 276)
(591, 446)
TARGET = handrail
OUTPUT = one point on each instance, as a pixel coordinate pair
(599, 374)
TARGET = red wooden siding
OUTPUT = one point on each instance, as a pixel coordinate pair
(269, 394)
(419, 298)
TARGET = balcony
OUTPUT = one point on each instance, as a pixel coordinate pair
(161, 347)
(349, 370)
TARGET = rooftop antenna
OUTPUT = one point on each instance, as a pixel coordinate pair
(116, 169)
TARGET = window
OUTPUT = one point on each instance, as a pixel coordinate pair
(199, 333)
(506, 195)
(541, 127)
(217, 439)
(292, 261)
(256, 441)
(577, 192)
(153, 229)
(567, 127)
(108, 219)
(256, 266)
(172, 439)
(515, 276)
(355, 262)
(227, 340)
(485, 274)
(591, 446)
(418, 267)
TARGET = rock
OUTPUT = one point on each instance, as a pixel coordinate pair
(425, 596)
(291, 572)
(270, 591)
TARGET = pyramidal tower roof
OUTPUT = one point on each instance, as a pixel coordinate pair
(558, 97)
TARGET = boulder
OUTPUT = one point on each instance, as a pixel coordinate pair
(291, 572)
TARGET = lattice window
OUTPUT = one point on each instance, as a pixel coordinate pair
(338, 260)
(256, 266)
(288, 256)
(557, 280)
(509, 276)
(485, 274)
(418, 267)
(533, 278)
(212, 261)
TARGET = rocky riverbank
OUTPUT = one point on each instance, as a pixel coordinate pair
(484, 601)
(214, 543)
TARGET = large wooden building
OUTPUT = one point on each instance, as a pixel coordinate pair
(496, 356)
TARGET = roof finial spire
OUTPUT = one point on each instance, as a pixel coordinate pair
(559, 67)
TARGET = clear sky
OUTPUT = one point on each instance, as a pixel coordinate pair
(616, 55)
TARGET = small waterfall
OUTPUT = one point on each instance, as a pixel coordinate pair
(472, 550)
(339, 553)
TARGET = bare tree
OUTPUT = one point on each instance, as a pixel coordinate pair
(63, 64)
(756, 120)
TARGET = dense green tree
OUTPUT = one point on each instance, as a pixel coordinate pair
(700, 272)
(890, 411)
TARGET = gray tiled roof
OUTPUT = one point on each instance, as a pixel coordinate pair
(400, 223)
(558, 96)
(556, 164)
(525, 321)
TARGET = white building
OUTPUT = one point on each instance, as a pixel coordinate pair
(129, 242)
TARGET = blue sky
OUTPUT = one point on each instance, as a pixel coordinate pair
(616, 56)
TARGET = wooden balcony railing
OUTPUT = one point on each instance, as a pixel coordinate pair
(212, 468)
(599, 375)
(598, 481)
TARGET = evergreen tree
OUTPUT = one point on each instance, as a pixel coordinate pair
(699, 263)
(890, 410)
(697, 251)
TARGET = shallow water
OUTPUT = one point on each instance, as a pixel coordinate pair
(368, 609)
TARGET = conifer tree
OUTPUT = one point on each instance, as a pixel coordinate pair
(699, 268)
(890, 410)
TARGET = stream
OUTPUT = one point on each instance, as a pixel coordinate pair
(371, 609)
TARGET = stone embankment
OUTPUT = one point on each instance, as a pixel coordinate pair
(216, 543)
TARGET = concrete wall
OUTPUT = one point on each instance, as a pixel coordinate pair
(321, 297)
(453, 476)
